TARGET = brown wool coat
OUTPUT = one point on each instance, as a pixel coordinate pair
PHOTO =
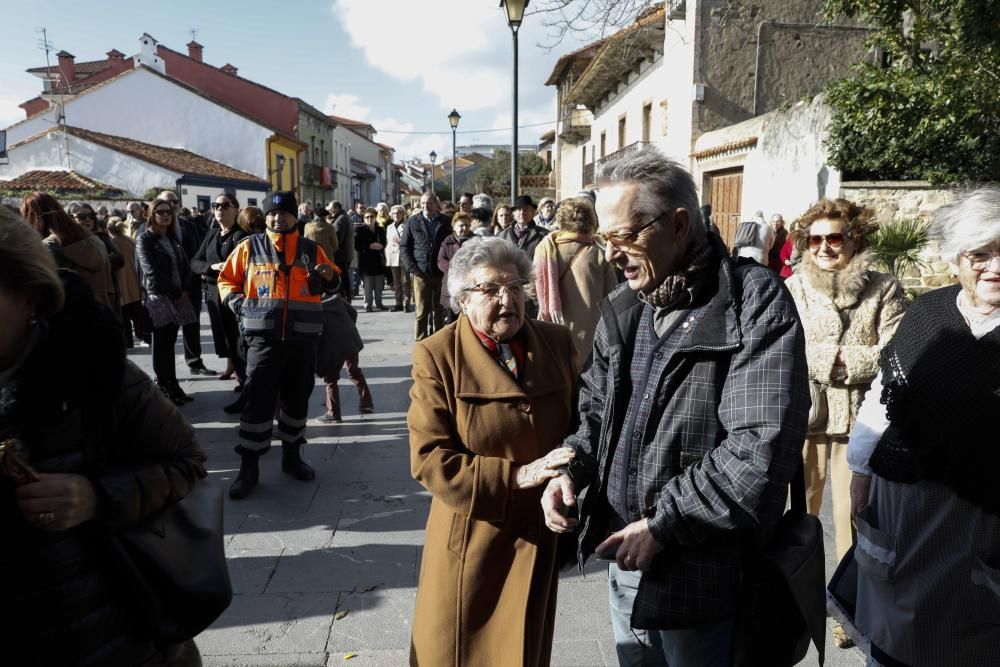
(487, 590)
(877, 302)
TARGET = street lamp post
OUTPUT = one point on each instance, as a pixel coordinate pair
(453, 118)
(515, 14)
(434, 157)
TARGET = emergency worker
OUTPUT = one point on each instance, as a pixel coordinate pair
(273, 282)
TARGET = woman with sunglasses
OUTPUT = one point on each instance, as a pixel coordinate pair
(86, 217)
(849, 312)
(220, 240)
(163, 263)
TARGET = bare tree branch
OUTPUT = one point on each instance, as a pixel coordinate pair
(587, 20)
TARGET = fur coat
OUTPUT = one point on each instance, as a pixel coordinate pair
(869, 304)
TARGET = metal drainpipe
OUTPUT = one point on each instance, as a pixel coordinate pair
(794, 26)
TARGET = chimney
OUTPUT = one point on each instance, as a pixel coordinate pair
(194, 50)
(117, 60)
(67, 68)
(229, 69)
(147, 54)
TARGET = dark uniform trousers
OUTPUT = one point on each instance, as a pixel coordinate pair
(276, 370)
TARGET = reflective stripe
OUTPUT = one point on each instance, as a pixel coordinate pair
(286, 436)
(257, 324)
(256, 446)
(283, 419)
(261, 427)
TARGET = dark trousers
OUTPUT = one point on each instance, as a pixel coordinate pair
(164, 340)
(192, 332)
(429, 311)
(133, 320)
(276, 370)
(225, 330)
(345, 281)
(357, 377)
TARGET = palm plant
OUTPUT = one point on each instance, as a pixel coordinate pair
(897, 245)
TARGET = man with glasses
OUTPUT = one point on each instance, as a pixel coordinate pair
(419, 247)
(693, 411)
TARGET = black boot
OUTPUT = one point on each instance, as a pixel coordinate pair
(247, 479)
(178, 393)
(292, 463)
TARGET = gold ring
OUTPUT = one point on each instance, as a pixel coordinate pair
(46, 517)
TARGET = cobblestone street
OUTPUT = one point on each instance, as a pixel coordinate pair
(327, 569)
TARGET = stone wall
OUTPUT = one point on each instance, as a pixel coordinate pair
(910, 199)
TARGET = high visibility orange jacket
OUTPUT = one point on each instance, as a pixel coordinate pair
(269, 282)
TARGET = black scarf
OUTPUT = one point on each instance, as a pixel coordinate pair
(941, 388)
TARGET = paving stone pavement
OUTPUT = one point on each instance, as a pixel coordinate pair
(302, 554)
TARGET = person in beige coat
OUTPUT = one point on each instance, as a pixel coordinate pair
(490, 406)
(849, 312)
(572, 275)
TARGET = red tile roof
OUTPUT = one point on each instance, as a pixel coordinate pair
(348, 122)
(86, 68)
(175, 159)
(64, 182)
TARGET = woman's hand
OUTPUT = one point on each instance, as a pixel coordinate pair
(860, 486)
(541, 470)
(57, 501)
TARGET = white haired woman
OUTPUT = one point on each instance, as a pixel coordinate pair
(490, 405)
(925, 458)
(401, 286)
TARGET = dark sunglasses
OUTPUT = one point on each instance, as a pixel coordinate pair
(85, 216)
(224, 205)
(832, 240)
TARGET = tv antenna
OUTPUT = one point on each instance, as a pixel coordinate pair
(47, 46)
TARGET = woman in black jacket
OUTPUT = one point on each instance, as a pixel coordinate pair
(222, 237)
(369, 242)
(107, 450)
(164, 266)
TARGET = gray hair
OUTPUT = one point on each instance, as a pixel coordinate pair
(971, 221)
(664, 185)
(482, 200)
(477, 253)
(397, 207)
(382, 207)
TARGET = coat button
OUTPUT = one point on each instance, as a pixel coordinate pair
(524, 406)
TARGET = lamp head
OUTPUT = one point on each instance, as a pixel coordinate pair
(515, 11)
(453, 118)
(434, 157)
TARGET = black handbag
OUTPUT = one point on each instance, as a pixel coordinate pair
(784, 594)
(174, 566)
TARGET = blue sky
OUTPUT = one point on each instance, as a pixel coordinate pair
(400, 64)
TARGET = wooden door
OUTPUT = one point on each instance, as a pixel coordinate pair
(725, 192)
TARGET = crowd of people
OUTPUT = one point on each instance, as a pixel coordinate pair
(596, 377)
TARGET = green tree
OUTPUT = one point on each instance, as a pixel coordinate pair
(496, 172)
(931, 109)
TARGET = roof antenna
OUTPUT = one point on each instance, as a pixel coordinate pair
(47, 46)
(194, 35)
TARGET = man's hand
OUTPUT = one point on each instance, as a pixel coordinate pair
(57, 501)
(860, 486)
(556, 501)
(634, 546)
(324, 271)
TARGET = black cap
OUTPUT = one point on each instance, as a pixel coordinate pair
(282, 201)
(522, 201)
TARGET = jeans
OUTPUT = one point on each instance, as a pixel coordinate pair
(708, 645)
(373, 290)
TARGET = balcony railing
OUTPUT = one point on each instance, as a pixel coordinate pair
(590, 169)
(311, 173)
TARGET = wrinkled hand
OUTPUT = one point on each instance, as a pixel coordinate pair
(860, 486)
(324, 271)
(538, 471)
(375, 246)
(634, 546)
(556, 501)
(57, 501)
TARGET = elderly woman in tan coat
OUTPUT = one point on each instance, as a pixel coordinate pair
(572, 275)
(491, 403)
(849, 312)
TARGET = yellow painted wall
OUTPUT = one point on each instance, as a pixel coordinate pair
(292, 151)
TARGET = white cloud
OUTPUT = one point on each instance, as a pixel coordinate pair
(392, 132)
(12, 94)
(414, 41)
